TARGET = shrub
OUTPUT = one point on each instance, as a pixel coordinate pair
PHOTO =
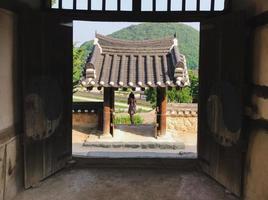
(126, 119)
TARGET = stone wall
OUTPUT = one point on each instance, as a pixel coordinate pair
(182, 118)
(87, 115)
(86, 120)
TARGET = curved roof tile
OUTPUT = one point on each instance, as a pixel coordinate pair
(147, 63)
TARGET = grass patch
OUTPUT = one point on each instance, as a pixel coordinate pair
(126, 119)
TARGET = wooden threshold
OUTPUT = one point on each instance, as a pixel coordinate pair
(147, 163)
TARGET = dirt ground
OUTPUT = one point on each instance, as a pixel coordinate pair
(130, 184)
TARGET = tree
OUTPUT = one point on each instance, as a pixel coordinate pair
(178, 96)
(78, 64)
(184, 95)
(194, 85)
(151, 96)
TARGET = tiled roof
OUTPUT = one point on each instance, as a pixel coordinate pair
(147, 63)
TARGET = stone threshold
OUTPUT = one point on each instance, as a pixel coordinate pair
(137, 153)
(136, 145)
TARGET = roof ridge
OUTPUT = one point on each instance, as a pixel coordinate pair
(109, 38)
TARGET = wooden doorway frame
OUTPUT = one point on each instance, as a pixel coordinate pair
(109, 110)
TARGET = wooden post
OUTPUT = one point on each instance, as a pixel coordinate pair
(89, 5)
(47, 4)
(136, 6)
(118, 5)
(112, 110)
(154, 5)
(183, 5)
(212, 7)
(107, 112)
(60, 4)
(100, 120)
(161, 111)
(74, 4)
(169, 5)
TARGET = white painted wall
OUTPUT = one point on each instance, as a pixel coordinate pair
(6, 69)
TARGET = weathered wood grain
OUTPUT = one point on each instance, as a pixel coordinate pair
(2, 170)
(222, 55)
(47, 74)
(107, 111)
(7, 134)
(162, 111)
(14, 170)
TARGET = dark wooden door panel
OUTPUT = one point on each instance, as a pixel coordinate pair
(222, 63)
(47, 82)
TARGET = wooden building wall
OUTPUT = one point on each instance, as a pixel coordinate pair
(10, 149)
(256, 168)
(15, 4)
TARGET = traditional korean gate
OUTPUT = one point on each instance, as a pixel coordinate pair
(47, 95)
(222, 63)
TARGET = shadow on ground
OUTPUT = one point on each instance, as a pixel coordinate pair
(130, 184)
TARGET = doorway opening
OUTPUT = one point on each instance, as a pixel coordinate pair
(159, 129)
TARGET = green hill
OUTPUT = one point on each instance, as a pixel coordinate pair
(188, 38)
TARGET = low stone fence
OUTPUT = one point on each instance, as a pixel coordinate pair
(87, 115)
(182, 118)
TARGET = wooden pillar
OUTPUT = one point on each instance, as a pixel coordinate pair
(161, 111)
(107, 111)
(136, 6)
(100, 119)
(112, 110)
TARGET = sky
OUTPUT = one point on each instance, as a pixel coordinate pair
(85, 30)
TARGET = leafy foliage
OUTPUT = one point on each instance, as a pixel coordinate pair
(184, 95)
(151, 96)
(78, 64)
(194, 85)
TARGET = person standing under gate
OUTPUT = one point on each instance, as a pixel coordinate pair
(131, 107)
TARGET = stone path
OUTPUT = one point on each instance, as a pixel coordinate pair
(133, 141)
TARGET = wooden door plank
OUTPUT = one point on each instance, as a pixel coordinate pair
(222, 55)
(2, 171)
(48, 90)
(14, 171)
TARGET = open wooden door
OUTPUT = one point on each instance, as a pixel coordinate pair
(47, 93)
(222, 64)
